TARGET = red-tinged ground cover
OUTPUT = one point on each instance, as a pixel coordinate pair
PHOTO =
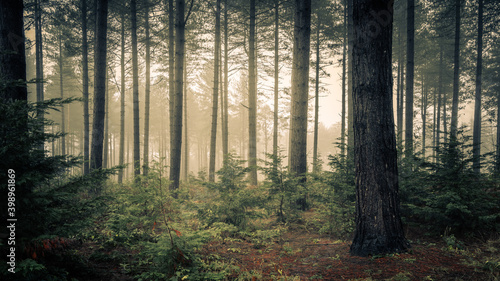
(307, 256)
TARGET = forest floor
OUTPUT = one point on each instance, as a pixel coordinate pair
(299, 254)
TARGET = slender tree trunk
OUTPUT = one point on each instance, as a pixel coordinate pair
(424, 114)
(215, 96)
(122, 99)
(175, 155)
(497, 156)
(379, 229)
(400, 95)
(476, 138)
(252, 100)
(316, 100)
(171, 69)
(135, 88)
(410, 67)
(276, 84)
(99, 85)
(147, 91)
(350, 105)
(186, 136)
(39, 61)
(106, 126)
(225, 108)
(456, 76)
(300, 97)
(12, 57)
(440, 94)
(344, 57)
(61, 84)
(85, 90)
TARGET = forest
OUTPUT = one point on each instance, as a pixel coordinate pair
(250, 140)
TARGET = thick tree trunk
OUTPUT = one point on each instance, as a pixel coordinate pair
(122, 99)
(12, 59)
(175, 154)
(456, 75)
(146, 92)
(85, 91)
(276, 84)
(252, 100)
(379, 229)
(410, 67)
(99, 85)
(135, 88)
(215, 96)
(350, 105)
(316, 100)
(476, 138)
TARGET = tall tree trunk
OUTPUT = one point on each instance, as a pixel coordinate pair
(456, 76)
(379, 228)
(350, 105)
(476, 138)
(147, 91)
(225, 108)
(171, 69)
(276, 84)
(344, 57)
(85, 91)
(135, 88)
(316, 100)
(12, 57)
(186, 136)
(175, 154)
(39, 61)
(215, 96)
(440, 95)
(105, 158)
(497, 156)
(99, 85)
(122, 98)
(424, 114)
(252, 100)
(410, 68)
(300, 96)
(61, 84)
(400, 95)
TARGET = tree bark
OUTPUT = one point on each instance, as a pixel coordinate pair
(410, 68)
(12, 57)
(276, 84)
(344, 64)
(61, 89)
(85, 91)
(252, 100)
(135, 89)
(350, 105)
(171, 69)
(456, 76)
(39, 61)
(316, 100)
(147, 91)
(215, 96)
(225, 109)
(99, 85)
(476, 138)
(175, 154)
(379, 229)
(122, 99)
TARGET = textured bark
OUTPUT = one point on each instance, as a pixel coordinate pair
(423, 110)
(12, 59)
(276, 84)
(85, 91)
(316, 99)
(410, 68)
(225, 108)
(215, 96)
(476, 138)
(39, 61)
(300, 88)
(122, 99)
(350, 105)
(135, 88)
(99, 85)
(344, 64)
(147, 91)
(379, 229)
(175, 154)
(61, 89)
(252, 100)
(456, 75)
